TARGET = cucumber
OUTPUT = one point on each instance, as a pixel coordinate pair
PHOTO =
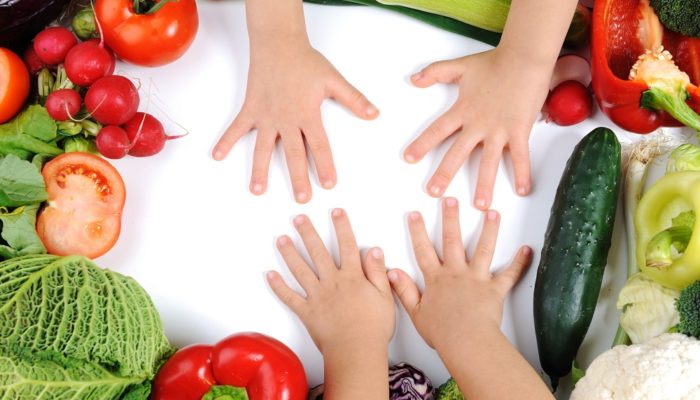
(575, 250)
(438, 21)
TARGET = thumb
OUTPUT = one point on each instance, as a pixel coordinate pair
(347, 95)
(405, 289)
(440, 71)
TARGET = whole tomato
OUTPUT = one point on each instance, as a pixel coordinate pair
(14, 84)
(151, 36)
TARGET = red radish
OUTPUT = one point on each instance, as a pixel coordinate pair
(112, 100)
(88, 62)
(52, 44)
(146, 134)
(112, 142)
(32, 61)
(569, 103)
(571, 67)
(63, 104)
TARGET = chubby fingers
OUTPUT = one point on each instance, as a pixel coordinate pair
(349, 252)
(264, 145)
(239, 127)
(452, 246)
(488, 169)
(347, 95)
(483, 255)
(375, 269)
(320, 149)
(314, 246)
(287, 295)
(520, 156)
(440, 71)
(507, 278)
(297, 266)
(426, 257)
(406, 290)
(295, 153)
(451, 163)
(438, 131)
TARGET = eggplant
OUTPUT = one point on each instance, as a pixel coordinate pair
(20, 20)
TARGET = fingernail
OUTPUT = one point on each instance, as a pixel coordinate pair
(414, 216)
(337, 212)
(371, 111)
(417, 76)
(435, 190)
(526, 251)
(302, 196)
(522, 190)
(282, 240)
(298, 220)
(480, 203)
(491, 215)
(409, 158)
(218, 155)
(270, 275)
(450, 202)
(393, 276)
(257, 188)
(328, 184)
(377, 253)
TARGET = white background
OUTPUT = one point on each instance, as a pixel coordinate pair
(199, 242)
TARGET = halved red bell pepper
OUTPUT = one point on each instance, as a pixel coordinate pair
(242, 366)
(622, 32)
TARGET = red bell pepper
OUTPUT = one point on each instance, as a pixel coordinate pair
(242, 366)
(623, 30)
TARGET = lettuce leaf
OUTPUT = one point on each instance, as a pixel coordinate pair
(49, 376)
(20, 183)
(70, 306)
(18, 235)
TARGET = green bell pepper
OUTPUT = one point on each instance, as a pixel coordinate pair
(668, 248)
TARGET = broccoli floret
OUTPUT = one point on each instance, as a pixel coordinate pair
(688, 305)
(449, 391)
(680, 16)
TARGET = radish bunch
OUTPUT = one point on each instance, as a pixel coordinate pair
(78, 88)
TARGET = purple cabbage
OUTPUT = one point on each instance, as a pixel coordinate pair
(407, 382)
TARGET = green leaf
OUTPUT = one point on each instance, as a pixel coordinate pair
(20, 183)
(35, 121)
(49, 376)
(18, 232)
(70, 306)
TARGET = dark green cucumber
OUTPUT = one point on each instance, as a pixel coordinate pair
(439, 21)
(575, 250)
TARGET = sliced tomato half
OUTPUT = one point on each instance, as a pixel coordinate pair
(84, 211)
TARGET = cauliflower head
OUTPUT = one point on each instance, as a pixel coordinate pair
(665, 367)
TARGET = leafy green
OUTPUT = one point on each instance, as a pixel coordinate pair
(449, 391)
(44, 376)
(20, 183)
(35, 121)
(18, 232)
(648, 308)
(685, 157)
(70, 306)
(31, 132)
(78, 143)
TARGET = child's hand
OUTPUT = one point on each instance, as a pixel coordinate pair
(287, 82)
(462, 301)
(348, 309)
(500, 95)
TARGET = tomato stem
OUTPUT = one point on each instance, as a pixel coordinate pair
(150, 6)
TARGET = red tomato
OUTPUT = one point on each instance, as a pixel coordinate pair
(84, 211)
(14, 84)
(148, 39)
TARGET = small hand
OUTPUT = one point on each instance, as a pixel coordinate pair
(348, 307)
(287, 83)
(461, 299)
(500, 96)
